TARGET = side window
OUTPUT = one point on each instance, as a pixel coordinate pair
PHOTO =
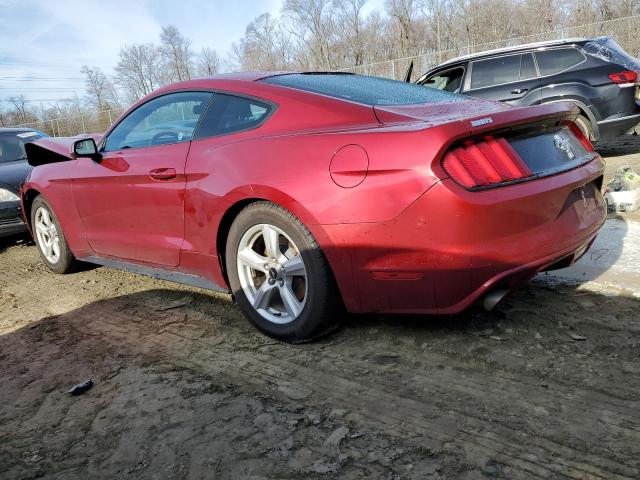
(229, 114)
(495, 71)
(164, 120)
(558, 60)
(527, 67)
(449, 80)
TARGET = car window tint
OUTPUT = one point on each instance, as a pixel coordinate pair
(12, 145)
(527, 67)
(495, 71)
(449, 80)
(164, 120)
(228, 114)
(557, 60)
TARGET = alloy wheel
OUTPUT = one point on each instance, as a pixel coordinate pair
(272, 273)
(47, 235)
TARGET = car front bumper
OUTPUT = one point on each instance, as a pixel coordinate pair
(11, 222)
(453, 246)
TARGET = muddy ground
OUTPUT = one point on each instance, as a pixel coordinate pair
(546, 386)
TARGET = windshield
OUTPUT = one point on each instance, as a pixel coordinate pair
(12, 145)
(363, 89)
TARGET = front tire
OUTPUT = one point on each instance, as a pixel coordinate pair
(48, 235)
(279, 276)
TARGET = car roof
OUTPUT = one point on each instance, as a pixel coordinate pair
(517, 48)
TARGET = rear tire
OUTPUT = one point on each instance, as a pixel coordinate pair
(279, 276)
(49, 238)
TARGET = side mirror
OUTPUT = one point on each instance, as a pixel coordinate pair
(86, 148)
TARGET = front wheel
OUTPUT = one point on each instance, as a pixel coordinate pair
(279, 276)
(50, 239)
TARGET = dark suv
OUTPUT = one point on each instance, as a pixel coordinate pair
(596, 73)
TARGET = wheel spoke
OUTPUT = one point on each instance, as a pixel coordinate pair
(270, 236)
(291, 304)
(250, 258)
(55, 247)
(46, 219)
(48, 249)
(294, 267)
(41, 228)
(262, 298)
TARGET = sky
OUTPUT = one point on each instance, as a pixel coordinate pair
(45, 43)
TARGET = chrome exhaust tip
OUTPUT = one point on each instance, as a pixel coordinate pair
(491, 299)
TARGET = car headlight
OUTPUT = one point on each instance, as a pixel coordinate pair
(7, 196)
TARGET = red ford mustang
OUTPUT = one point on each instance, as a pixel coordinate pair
(304, 194)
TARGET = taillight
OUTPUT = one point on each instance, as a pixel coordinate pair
(486, 161)
(628, 76)
(580, 135)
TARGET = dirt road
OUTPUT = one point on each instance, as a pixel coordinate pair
(546, 386)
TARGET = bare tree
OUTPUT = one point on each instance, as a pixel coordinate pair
(266, 45)
(101, 92)
(351, 27)
(176, 53)
(19, 102)
(208, 62)
(313, 25)
(139, 70)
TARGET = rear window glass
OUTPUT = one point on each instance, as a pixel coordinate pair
(229, 114)
(558, 60)
(364, 89)
(12, 145)
(495, 71)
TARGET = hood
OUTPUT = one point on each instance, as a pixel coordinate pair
(14, 174)
(51, 150)
(434, 114)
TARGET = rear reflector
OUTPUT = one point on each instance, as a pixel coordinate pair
(486, 161)
(628, 76)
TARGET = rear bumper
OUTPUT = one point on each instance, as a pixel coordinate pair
(452, 246)
(614, 127)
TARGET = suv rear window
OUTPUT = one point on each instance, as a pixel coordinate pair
(558, 60)
(363, 89)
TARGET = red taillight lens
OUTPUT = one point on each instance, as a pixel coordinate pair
(628, 76)
(485, 162)
(580, 135)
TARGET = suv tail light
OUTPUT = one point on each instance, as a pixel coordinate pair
(628, 76)
(484, 162)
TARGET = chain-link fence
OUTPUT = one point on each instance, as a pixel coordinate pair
(626, 31)
(97, 122)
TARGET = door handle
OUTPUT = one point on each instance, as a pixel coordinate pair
(163, 173)
(518, 91)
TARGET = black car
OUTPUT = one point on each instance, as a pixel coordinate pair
(596, 73)
(13, 172)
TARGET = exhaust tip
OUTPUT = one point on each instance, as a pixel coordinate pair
(493, 298)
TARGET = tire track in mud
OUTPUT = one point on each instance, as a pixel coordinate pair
(527, 453)
(474, 409)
